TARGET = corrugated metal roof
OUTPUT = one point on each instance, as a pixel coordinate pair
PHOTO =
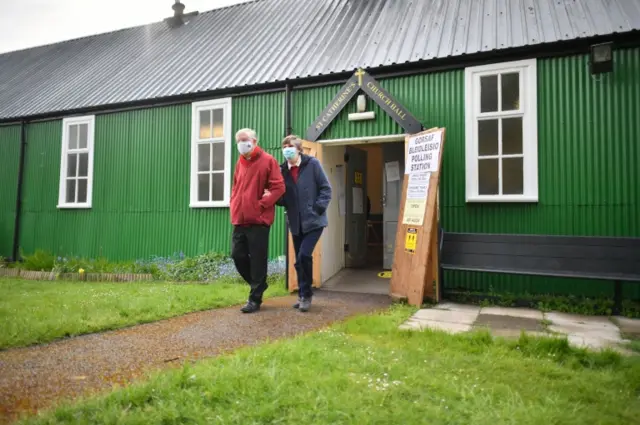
(272, 40)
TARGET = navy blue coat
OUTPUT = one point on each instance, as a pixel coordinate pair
(307, 200)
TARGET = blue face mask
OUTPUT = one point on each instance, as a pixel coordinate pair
(289, 152)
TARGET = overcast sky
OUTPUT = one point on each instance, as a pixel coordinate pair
(29, 23)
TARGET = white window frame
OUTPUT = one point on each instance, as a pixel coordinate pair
(227, 139)
(62, 187)
(529, 113)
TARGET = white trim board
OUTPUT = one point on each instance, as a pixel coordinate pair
(364, 140)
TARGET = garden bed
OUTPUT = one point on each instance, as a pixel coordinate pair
(88, 277)
(204, 268)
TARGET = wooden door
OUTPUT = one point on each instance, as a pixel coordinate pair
(312, 149)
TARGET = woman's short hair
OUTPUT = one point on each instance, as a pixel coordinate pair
(293, 140)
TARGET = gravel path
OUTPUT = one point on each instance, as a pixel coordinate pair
(33, 378)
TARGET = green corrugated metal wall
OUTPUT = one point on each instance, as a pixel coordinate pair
(588, 155)
(9, 159)
(589, 129)
(141, 186)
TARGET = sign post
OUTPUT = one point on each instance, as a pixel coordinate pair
(415, 264)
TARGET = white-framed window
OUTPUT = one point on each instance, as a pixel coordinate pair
(211, 144)
(76, 163)
(501, 145)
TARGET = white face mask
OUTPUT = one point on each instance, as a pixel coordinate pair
(245, 147)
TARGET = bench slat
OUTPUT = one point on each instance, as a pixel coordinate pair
(611, 276)
(546, 239)
(585, 257)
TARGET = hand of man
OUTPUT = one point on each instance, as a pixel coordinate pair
(266, 193)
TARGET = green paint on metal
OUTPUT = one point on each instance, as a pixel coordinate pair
(141, 186)
(588, 155)
(9, 162)
(588, 173)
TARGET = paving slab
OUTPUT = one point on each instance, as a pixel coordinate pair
(35, 377)
(629, 327)
(495, 322)
(595, 332)
(457, 307)
(528, 313)
(584, 326)
(593, 343)
(449, 316)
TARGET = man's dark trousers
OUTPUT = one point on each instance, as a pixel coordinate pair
(304, 243)
(250, 252)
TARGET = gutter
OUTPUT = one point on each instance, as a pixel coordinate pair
(16, 223)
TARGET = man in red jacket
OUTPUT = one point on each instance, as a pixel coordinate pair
(257, 185)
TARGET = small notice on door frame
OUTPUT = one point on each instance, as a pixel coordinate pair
(411, 240)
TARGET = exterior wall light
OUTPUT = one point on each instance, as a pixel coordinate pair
(361, 105)
(601, 58)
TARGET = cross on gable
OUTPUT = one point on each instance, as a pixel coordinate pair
(359, 74)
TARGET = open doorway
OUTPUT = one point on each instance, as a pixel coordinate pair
(359, 243)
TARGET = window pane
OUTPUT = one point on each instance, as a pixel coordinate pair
(71, 191)
(511, 136)
(488, 137)
(73, 137)
(204, 160)
(218, 118)
(72, 164)
(83, 165)
(82, 190)
(512, 176)
(217, 188)
(510, 91)
(489, 93)
(218, 156)
(84, 131)
(203, 187)
(205, 124)
(488, 177)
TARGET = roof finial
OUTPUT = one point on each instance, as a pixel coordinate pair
(178, 9)
(179, 18)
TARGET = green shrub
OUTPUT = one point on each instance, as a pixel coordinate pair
(40, 261)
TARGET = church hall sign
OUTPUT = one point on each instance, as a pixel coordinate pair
(360, 80)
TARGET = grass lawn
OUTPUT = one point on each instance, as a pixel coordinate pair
(365, 371)
(37, 312)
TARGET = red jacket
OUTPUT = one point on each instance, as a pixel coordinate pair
(252, 176)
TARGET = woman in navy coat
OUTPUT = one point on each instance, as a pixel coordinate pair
(306, 200)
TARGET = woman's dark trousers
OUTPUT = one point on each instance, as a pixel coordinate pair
(304, 243)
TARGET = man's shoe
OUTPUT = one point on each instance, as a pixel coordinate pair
(250, 307)
(297, 305)
(305, 304)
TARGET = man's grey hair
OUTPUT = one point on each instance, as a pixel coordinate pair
(294, 141)
(249, 132)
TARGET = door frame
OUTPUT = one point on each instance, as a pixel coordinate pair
(292, 281)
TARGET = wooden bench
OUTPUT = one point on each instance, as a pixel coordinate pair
(597, 258)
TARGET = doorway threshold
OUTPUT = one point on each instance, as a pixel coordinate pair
(361, 281)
